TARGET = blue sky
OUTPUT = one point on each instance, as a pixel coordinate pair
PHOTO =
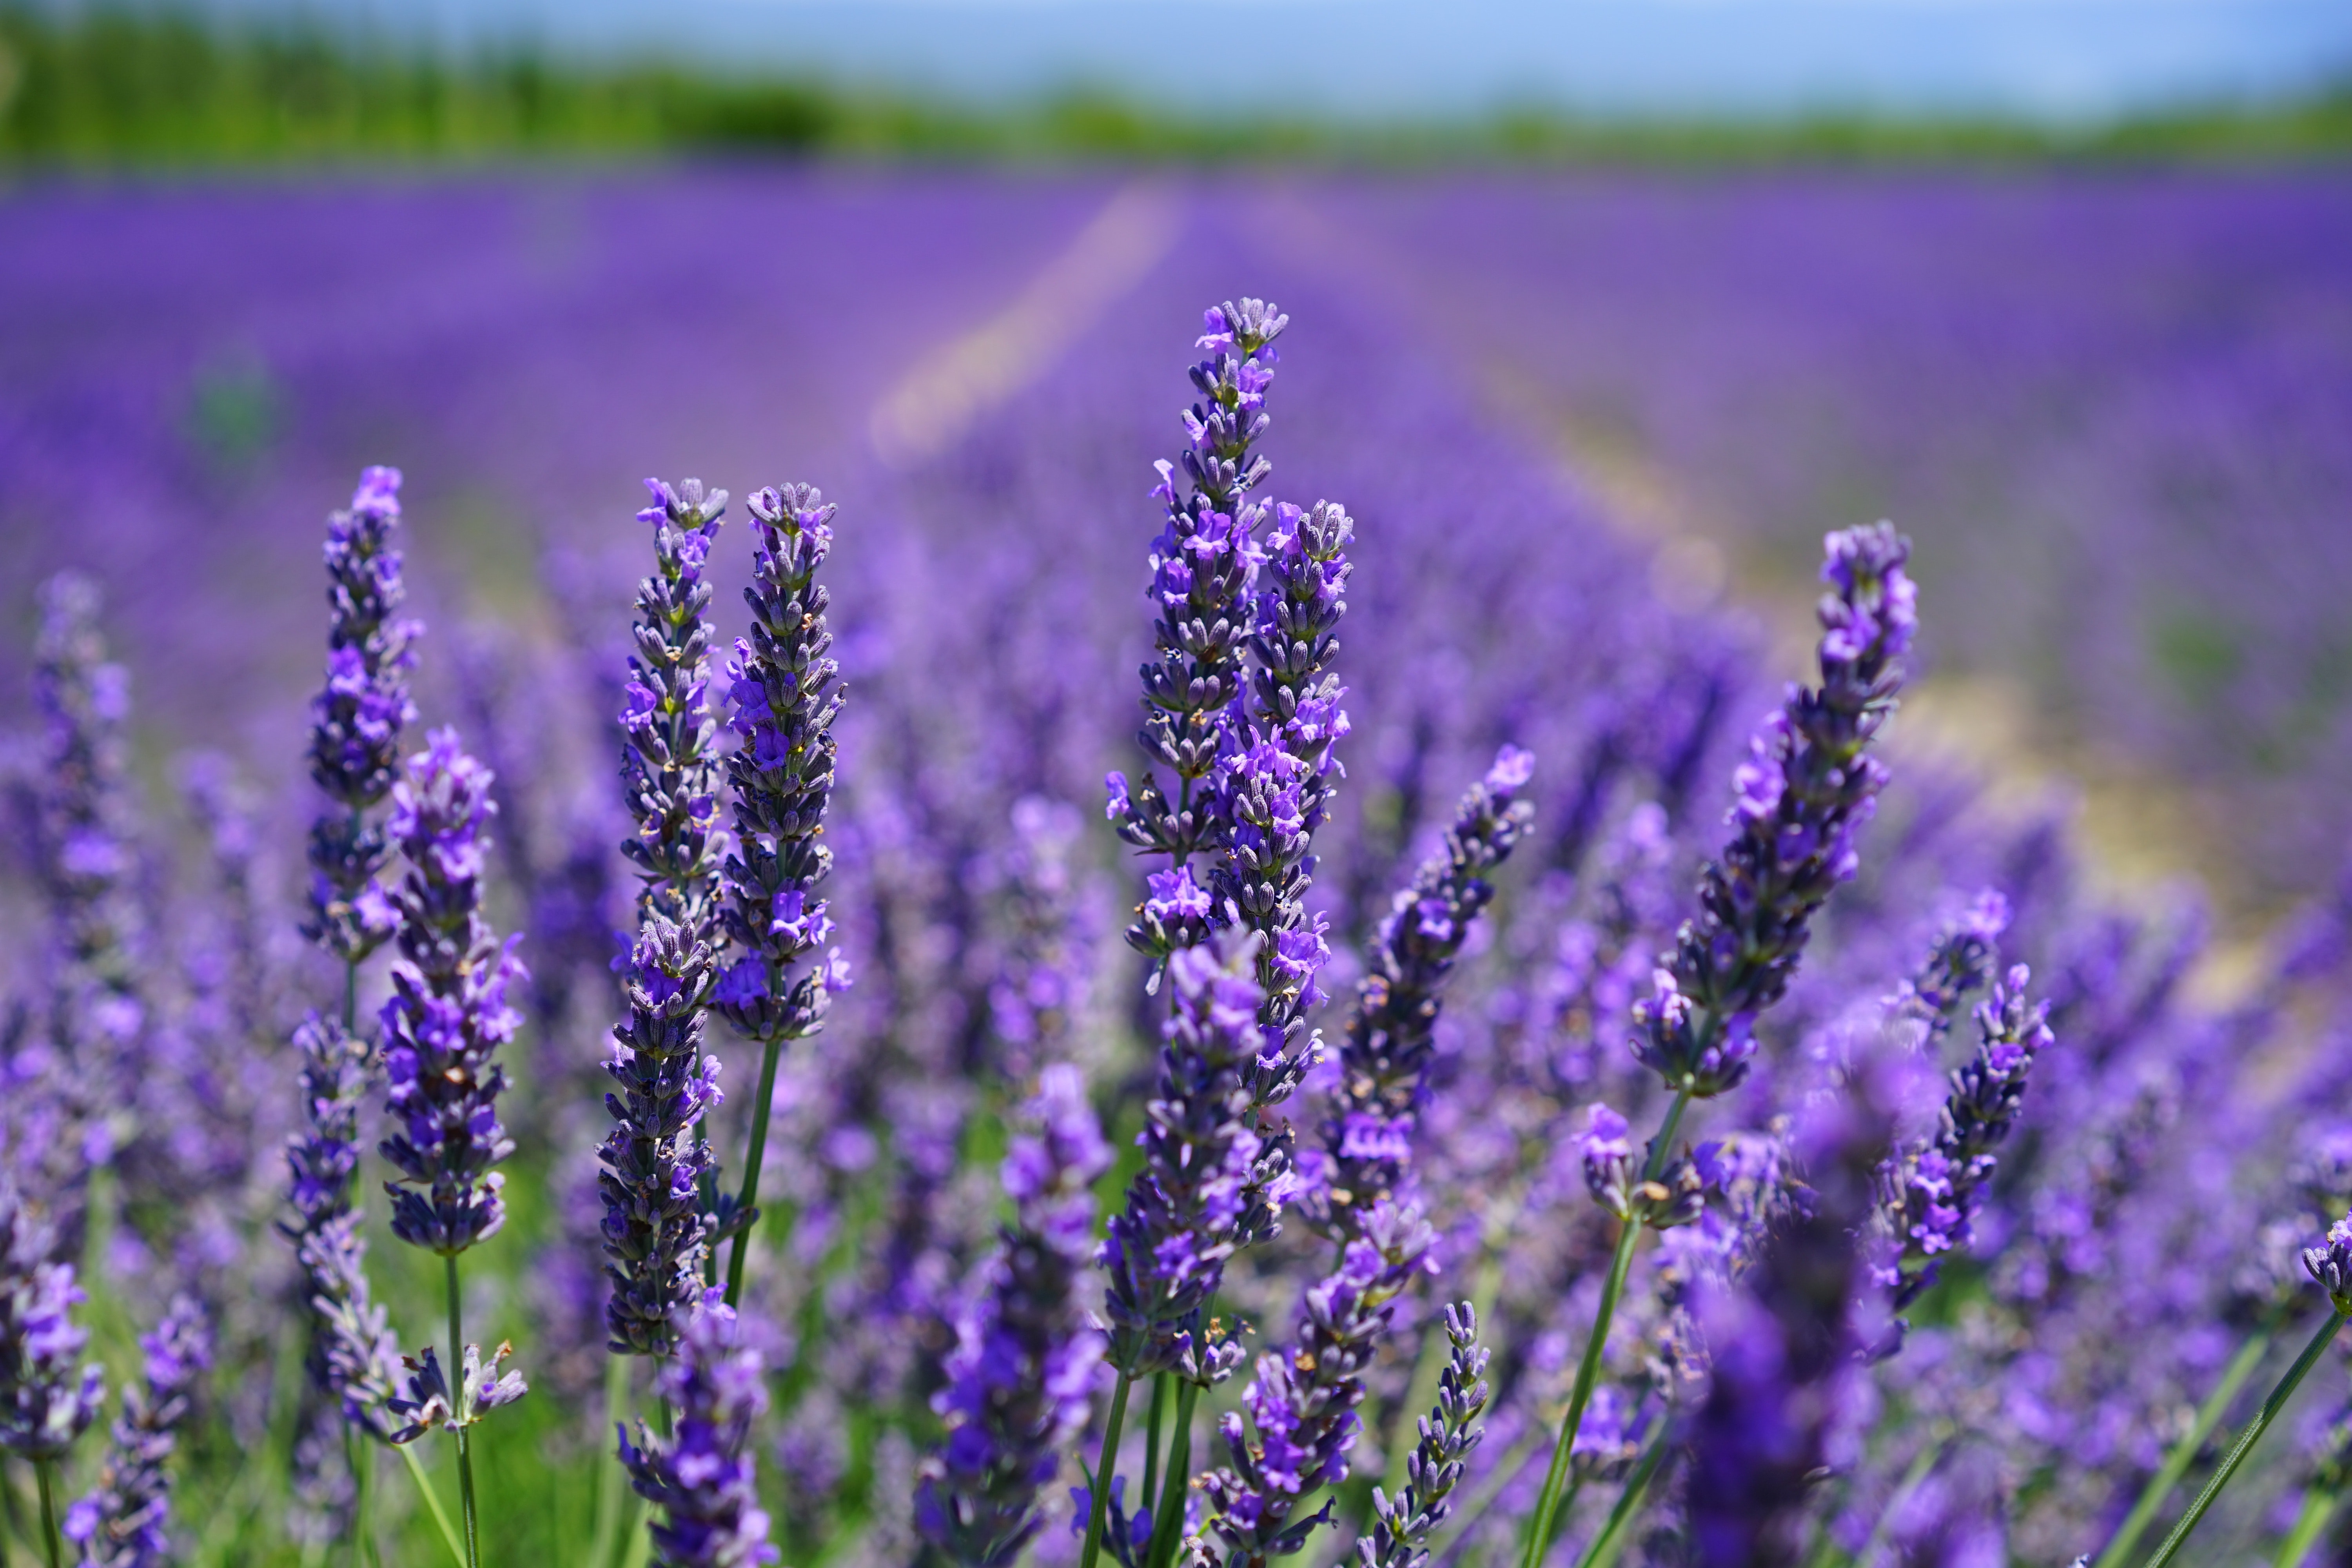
(2052, 58)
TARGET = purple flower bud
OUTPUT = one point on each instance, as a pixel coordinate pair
(701, 1478)
(121, 1525)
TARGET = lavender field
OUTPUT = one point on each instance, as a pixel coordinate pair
(1351, 1101)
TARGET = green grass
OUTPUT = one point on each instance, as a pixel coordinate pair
(148, 88)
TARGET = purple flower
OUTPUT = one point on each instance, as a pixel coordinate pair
(670, 765)
(1400, 1530)
(1201, 1194)
(786, 701)
(1021, 1378)
(1807, 786)
(352, 1357)
(45, 1404)
(358, 715)
(1935, 1186)
(655, 1232)
(1301, 1405)
(121, 1525)
(449, 1010)
(1116, 803)
(701, 1477)
(1175, 897)
(1390, 1041)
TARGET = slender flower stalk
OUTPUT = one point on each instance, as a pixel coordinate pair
(1400, 1532)
(1301, 1405)
(700, 1474)
(443, 1024)
(785, 700)
(354, 1358)
(1808, 787)
(2331, 1266)
(121, 1525)
(1020, 1382)
(1366, 1140)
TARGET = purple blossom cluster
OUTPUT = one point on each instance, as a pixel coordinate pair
(908, 1343)
(121, 1525)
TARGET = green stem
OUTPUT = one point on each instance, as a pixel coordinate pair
(1168, 1521)
(2159, 1490)
(1468, 1518)
(360, 1457)
(1544, 1523)
(1611, 1539)
(2318, 1508)
(769, 1051)
(2249, 1437)
(610, 1486)
(1151, 1429)
(45, 1470)
(1103, 1462)
(433, 1504)
(465, 1432)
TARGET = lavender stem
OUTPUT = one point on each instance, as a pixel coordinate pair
(1100, 1490)
(1542, 1525)
(1153, 1425)
(772, 1048)
(2184, 1453)
(610, 1479)
(2318, 1508)
(465, 1441)
(44, 1470)
(2249, 1437)
(1612, 1540)
(1168, 1521)
(407, 1451)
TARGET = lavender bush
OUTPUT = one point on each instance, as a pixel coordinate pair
(1586, 1174)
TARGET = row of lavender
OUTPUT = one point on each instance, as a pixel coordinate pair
(1743, 1391)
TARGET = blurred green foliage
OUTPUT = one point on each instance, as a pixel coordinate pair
(131, 86)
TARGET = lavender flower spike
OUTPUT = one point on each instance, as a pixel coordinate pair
(1401, 1530)
(670, 771)
(1205, 567)
(121, 1525)
(1021, 1377)
(1384, 1065)
(354, 1358)
(785, 702)
(1934, 1189)
(701, 1478)
(357, 717)
(1190, 1207)
(44, 1405)
(653, 1159)
(1302, 1404)
(1807, 788)
(449, 1012)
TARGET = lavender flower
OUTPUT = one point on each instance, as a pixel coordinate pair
(449, 1012)
(426, 1402)
(654, 1161)
(2331, 1265)
(1450, 1433)
(1191, 1206)
(1783, 1348)
(1934, 1188)
(1280, 781)
(353, 1356)
(43, 1405)
(357, 717)
(1204, 568)
(1674, 1198)
(785, 703)
(1037, 1003)
(1302, 1404)
(1021, 1378)
(121, 1525)
(701, 1477)
(669, 773)
(1960, 960)
(1807, 788)
(1384, 1065)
